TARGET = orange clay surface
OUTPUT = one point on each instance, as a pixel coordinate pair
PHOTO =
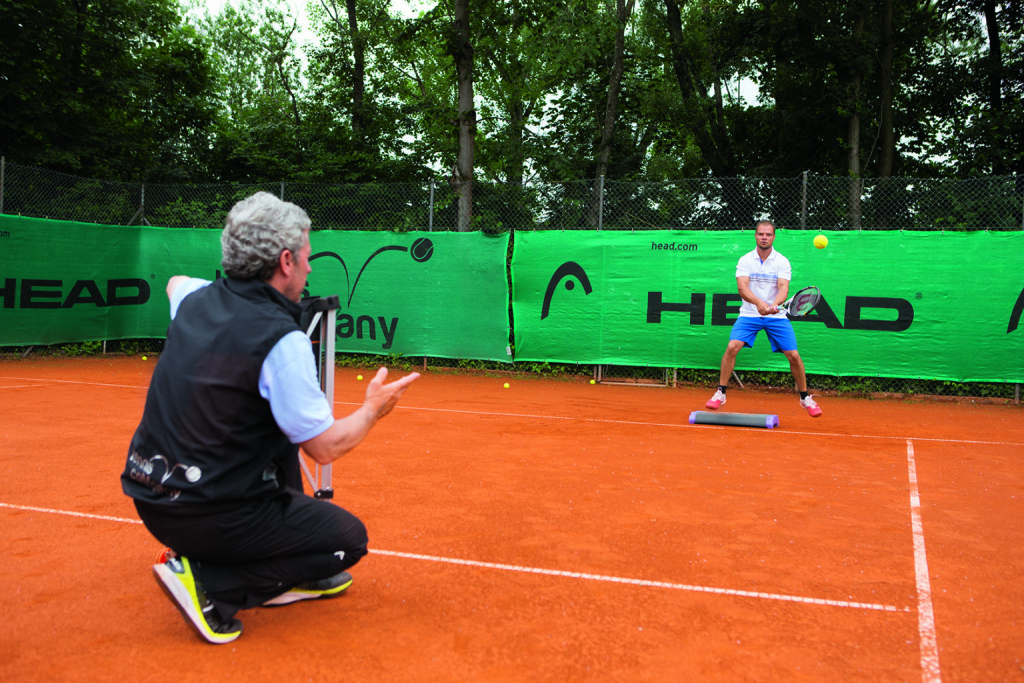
(552, 531)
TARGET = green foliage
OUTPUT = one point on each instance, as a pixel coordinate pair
(77, 350)
(113, 90)
(132, 90)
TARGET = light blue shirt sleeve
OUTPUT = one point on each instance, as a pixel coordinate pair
(287, 381)
(183, 290)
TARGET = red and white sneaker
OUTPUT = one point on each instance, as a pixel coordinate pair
(165, 555)
(812, 408)
(717, 400)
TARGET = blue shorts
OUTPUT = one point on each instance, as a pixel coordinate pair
(780, 332)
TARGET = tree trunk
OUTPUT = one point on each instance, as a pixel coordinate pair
(604, 151)
(853, 131)
(887, 143)
(358, 73)
(516, 167)
(462, 53)
(995, 74)
(707, 125)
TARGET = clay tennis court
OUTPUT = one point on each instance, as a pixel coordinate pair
(553, 531)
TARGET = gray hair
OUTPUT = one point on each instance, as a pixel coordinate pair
(256, 231)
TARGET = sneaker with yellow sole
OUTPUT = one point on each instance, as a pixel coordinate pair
(177, 580)
(331, 587)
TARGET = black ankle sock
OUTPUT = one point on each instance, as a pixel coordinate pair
(722, 388)
(803, 395)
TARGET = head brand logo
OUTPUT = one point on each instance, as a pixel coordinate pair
(569, 268)
(1018, 308)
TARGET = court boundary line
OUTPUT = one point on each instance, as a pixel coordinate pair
(71, 381)
(687, 425)
(930, 671)
(589, 419)
(546, 572)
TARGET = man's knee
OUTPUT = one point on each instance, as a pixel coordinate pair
(733, 348)
(350, 535)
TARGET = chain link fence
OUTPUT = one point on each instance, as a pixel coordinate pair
(807, 202)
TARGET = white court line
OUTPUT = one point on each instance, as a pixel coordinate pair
(930, 672)
(69, 513)
(690, 426)
(644, 582)
(69, 381)
(554, 572)
(601, 420)
(23, 386)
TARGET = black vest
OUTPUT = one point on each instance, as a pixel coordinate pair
(206, 435)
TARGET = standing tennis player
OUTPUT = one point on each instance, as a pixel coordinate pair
(213, 466)
(762, 277)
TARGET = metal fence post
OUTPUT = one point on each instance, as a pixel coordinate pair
(430, 213)
(141, 213)
(282, 190)
(803, 204)
(600, 202)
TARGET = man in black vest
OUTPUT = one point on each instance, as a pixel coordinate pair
(213, 466)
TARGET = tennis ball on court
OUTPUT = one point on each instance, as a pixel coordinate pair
(144, 358)
(821, 241)
(359, 378)
(506, 385)
(592, 382)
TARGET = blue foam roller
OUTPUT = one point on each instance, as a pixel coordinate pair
(702, 417)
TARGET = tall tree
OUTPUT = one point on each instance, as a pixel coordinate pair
(697, 65)
(460, 47)
(887, 133)
(974, 85)
(350, 26)
(623, 11)
(115, 90)
(261, 132)
(856, 72)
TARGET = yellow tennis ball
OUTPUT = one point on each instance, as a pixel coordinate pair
(144, 358)
(821, 241)
(359, 378)
(506, 385)
(592, 382)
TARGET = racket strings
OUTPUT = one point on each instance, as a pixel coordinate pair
(804, 301)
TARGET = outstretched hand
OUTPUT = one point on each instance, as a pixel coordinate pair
(381, 398)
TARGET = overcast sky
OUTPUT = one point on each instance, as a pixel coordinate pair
(406, 7)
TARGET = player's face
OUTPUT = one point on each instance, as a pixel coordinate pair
(297, 281)
(765, 235)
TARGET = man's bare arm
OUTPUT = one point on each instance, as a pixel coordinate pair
(346, 433)
(743, 285)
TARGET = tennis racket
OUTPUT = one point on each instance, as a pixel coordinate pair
(801, 303)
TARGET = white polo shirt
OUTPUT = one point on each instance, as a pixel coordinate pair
(288, 379)
(764, 279)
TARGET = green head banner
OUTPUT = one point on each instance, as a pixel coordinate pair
(896, 304)
(418, 293)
